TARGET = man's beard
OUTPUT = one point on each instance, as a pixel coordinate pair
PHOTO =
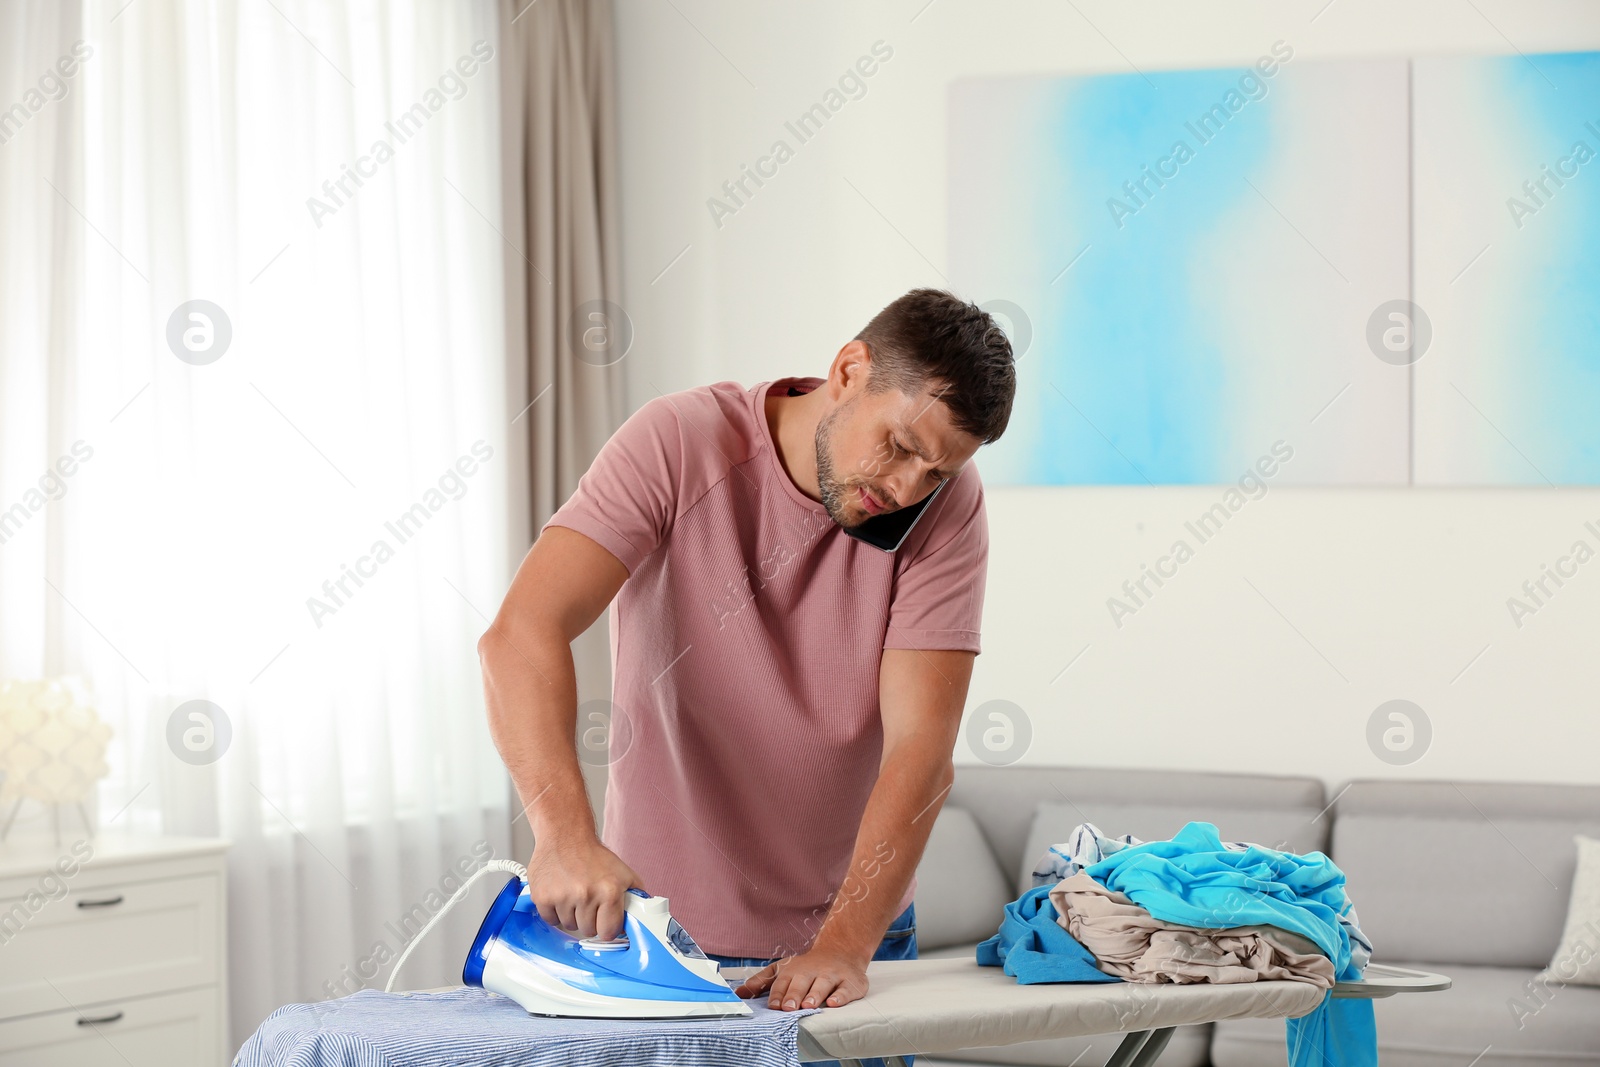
(833, 490)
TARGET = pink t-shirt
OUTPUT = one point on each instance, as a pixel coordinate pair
(745, 647)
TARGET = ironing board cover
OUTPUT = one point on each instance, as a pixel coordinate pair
(470, 1027)
(938, 1006)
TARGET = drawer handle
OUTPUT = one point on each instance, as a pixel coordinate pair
(104, 903)
(84, 1020)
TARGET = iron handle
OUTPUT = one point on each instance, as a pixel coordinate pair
(84, 1020)
(104, 903)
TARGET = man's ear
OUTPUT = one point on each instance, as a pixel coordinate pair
(851, 369)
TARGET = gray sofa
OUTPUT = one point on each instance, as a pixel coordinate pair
(1467, 879)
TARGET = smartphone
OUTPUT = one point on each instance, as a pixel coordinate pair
(889, 532)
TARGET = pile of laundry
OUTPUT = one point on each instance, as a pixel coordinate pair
(1195, 909)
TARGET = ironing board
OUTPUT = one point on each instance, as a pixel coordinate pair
(932, 1006)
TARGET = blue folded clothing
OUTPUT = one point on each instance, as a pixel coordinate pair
(1033, 947)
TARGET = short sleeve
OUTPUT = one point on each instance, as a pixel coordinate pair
(627, 499)
(938, 597)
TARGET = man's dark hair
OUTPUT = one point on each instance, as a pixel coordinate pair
(931, 337)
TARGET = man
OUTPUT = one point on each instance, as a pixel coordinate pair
(788, 681)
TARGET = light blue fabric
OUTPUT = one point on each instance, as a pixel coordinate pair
(1195, 880)
(1034, 947)
(469, 1027)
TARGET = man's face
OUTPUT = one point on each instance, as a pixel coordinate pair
(879, 452)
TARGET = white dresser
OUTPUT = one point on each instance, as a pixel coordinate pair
(112, 953)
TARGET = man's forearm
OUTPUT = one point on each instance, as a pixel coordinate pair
(530, 687)
(894, 831)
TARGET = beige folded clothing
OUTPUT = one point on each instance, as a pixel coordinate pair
(1129, 942)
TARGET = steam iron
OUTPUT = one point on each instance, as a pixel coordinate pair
(653, 970)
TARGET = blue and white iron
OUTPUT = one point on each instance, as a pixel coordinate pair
(653, 970)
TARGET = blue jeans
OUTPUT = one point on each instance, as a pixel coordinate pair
(899, 943)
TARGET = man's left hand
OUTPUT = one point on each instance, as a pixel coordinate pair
(818, 978)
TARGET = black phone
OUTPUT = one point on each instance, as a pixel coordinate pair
(889, 532)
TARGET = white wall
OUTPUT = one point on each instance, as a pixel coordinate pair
(1270, 649)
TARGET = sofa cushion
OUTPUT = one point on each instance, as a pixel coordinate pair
(1465, 873)
(961, 891)
(1577, 958)
(967, 951)
(1289, 829)
(1499, 1009)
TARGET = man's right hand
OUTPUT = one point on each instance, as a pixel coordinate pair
(580, 887)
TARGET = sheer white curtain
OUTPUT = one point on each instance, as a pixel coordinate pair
(311, 529)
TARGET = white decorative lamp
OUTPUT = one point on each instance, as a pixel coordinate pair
(52, 748)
